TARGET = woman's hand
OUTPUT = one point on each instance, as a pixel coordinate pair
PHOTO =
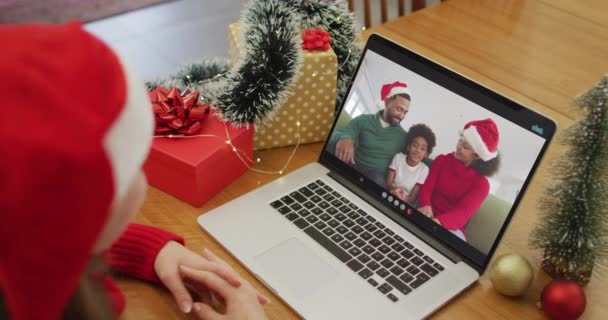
(427, 211)
(241, 302)
(173, 254)
(436, 221)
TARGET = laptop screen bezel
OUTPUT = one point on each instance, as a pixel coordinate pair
(468, 89)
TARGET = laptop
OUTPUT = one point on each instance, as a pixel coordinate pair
(334, 242)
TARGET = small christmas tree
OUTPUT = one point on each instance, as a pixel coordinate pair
(574, 208)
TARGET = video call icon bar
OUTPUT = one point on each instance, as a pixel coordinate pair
(396, 202)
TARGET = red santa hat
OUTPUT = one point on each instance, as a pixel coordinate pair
(391, 89)
(483, 137)
(76, 126)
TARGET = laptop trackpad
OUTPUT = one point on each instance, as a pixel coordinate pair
(296, 267)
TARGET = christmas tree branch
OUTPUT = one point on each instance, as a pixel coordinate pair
(573, 211)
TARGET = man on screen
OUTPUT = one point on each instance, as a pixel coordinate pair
(370, 141)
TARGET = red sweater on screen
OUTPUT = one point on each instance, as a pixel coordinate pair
(133, 254)
(454, 191)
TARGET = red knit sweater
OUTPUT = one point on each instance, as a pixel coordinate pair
(454, 191)
(133, 254)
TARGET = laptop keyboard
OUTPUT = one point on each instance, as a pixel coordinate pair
(386, 261)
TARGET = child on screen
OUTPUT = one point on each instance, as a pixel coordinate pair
(407, 172)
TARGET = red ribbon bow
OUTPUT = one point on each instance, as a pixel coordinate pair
(316, 39)
(179, 114)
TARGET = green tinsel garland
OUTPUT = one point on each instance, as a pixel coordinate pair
(269, 65)
(260, 82)
(335, 17)
(193, 75)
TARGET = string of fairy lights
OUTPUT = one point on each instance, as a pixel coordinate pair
(346, 60)
(243, 156)
(314, 74)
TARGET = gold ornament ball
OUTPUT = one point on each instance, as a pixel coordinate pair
(511, 275)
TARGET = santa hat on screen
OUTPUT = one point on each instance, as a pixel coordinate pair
(390, 89)
(76, 126)
(483, 137)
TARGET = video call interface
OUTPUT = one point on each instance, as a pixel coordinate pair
(457, 163)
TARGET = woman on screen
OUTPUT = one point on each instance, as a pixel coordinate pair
(457, 185)
(407, 172)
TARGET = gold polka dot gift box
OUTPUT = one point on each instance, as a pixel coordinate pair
(312, 104)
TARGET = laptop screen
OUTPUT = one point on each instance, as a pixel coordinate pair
(442, 151)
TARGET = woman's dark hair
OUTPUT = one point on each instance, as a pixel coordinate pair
(402, 95)
(486, 168)
(423, 131)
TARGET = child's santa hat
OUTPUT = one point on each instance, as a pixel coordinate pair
(76, 126)
(483, 137)
(390, 89)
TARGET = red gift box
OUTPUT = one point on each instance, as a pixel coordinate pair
(195, 168)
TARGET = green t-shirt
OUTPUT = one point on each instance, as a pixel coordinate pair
(375, 146)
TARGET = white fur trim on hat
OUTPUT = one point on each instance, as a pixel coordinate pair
(398, 90)
(474, 139)
(128, 141)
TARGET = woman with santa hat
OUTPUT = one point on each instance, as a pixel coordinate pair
(456, 185)
(75, 129)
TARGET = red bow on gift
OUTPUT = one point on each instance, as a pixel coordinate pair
(176, 113)
(316, 39)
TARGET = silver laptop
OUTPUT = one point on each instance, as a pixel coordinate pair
(335, 240)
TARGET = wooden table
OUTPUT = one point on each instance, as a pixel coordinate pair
(542, 53)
